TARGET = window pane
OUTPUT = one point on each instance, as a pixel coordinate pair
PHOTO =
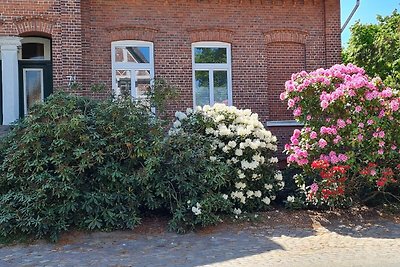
(32, 51)
(210, 55)
(142, 82)
(133, 54)
(202, 90)
(221, 87)
(123, 82)
(33, 88)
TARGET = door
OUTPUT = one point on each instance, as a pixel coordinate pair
(1, 96)
(35, 83)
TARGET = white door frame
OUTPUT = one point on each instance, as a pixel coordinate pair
(10, 80)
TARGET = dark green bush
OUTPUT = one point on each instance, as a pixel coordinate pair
(75, 162)
(181, 176)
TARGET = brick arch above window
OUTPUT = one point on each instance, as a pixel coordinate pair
(132, 33)
(203, 35)
(286, 35)
(35, 25)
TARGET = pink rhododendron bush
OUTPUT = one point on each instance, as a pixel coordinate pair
(349, 147)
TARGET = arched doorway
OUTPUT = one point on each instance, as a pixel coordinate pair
(35, 72)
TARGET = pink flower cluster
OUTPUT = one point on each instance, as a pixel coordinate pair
(334, 158)
(299, 155)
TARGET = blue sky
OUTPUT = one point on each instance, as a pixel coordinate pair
(366, 13)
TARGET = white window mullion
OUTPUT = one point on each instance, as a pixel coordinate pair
(124, 56)
(211, 84)
(119, 65)
(133, 83)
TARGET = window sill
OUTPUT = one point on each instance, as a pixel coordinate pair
(285, 123)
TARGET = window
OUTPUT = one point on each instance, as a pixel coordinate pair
(33, 87)
(132, 67)
(35, 48)
(212, 82)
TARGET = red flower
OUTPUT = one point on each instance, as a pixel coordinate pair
(320, 164)
(340, 169)
(371, 165)
(340, 190)
(388, 172)
(326, 175)
(381, 182)
(326, 193)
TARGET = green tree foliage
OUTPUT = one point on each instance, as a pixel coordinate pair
(376, 48)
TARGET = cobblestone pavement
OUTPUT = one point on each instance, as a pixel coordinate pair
(374, 243)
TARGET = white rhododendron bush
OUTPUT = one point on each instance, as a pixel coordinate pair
(239, 141)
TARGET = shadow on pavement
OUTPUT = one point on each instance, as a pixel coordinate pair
(372, 229)
(361, 223)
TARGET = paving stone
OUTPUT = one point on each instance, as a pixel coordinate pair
(341, 245)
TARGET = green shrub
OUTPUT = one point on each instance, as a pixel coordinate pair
(74, 162)
(180, 176)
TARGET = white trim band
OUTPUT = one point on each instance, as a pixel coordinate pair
(285, 123)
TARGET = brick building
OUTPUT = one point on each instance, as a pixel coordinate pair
(235, 51)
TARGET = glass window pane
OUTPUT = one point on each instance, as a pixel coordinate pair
(133, 54)
(210, 55)
(33, 88)
(32, 51)
(202, 90)
(123, 82)
(221, 86)
(142, 83)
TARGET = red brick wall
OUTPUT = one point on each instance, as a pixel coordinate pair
(270, 39)
(332, 33)
(280, 68)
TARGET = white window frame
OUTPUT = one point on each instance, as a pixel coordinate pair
(24, 71)
(131, 66)
(37, 40)
(211, 67)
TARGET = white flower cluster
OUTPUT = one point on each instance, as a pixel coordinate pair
(239, 195)
(237, 211)
(242, 123)
(196, 209)
(240, 140)
(290, 199)
(279, 178)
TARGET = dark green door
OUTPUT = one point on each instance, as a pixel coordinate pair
(1, 96)
(35, 83)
